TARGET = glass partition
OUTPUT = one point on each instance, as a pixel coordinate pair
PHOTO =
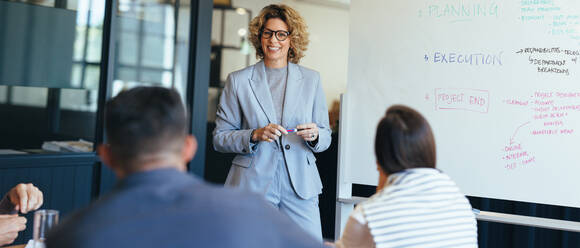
(152, 40)
(50, 60)
(50, 55)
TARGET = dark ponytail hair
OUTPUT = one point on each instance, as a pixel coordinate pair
(404, 140)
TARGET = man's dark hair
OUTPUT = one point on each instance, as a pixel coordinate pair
(404, 140)
(145, 120)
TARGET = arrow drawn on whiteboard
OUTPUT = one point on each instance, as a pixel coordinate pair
(514, 135)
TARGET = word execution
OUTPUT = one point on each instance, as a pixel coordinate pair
(472, 59)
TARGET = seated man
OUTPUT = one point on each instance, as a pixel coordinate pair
(155, 203)
(22, 198)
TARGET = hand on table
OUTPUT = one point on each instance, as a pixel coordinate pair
(10, 225)
(25, 197)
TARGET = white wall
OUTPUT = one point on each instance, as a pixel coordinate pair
(328, 49)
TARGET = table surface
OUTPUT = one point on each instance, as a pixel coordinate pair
(15, 246)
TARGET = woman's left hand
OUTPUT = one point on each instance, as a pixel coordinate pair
(25, 197)
(309, 131)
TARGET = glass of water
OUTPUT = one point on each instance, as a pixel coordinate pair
(44, 220)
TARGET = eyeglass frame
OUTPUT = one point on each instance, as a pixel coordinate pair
(275, 34)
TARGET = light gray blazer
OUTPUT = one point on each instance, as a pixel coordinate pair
(246, 104)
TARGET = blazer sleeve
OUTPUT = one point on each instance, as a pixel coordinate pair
(320, 117)
(228, 135)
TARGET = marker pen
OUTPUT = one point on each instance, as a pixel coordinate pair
(293, 130)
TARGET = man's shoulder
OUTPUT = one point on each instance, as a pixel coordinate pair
(213, 210)
(191, 196)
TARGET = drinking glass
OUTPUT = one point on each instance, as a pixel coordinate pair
(44, 220)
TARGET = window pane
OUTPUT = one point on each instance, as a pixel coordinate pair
(80, 42)
(94, 44)
(128, 25)
(127, 74)
(76, 77)
(156, 18)
(92, 74)
(182, 48)
(49, 71)
(154, 77)
(158, 52)
(48, 3)
(80, 100)
(29, 96)
(3, 94)
(146, 44)
(128, 48)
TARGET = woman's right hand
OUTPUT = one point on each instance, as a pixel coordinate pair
(268, 133)
(10, 225)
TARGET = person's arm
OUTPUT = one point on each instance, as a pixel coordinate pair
(356, 232)
(23, 198)
(6, 206)
(320, 118)
(227, 135)
(10, 225)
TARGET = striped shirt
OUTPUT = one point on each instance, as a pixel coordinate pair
(419, 207)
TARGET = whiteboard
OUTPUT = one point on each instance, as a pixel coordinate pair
(499, 82)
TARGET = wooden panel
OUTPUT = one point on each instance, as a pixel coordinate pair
(222, 2)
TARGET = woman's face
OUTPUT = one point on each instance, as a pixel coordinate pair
(275, 51)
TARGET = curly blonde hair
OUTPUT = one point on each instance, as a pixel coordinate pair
(296, 27)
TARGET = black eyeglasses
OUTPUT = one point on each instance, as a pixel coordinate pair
(281, 35)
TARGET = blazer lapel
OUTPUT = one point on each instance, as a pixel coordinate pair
(293, 92)
(259, 85)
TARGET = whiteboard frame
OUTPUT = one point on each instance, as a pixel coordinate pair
(343, 184)
(523, 220)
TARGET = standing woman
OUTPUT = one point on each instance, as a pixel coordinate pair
(260, 103)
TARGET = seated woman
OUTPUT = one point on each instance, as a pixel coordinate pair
(415, 205)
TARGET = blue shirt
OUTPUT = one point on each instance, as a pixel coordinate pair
(168, 208)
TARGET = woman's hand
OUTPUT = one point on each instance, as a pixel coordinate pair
(309, 131)
(10, 225)
(268, 133)
(25, 197)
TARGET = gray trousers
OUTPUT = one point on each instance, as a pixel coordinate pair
(303, 212)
